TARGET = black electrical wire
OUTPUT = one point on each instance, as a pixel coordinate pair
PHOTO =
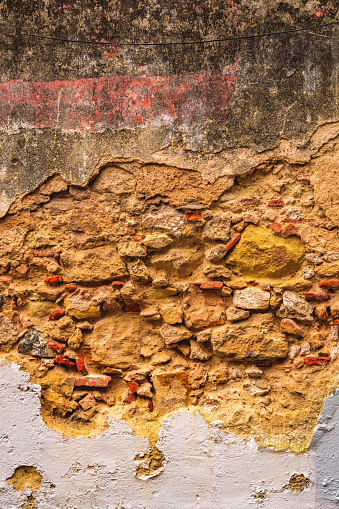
(169, 43)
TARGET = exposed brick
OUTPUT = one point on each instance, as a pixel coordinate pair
(330, 283)
(289, 230)
(131, 307)
(80, 364)
(150, 406)
(117, 283)
(248, 218)
(248, 201)
(276, 227)
(316, 296)
(71, 287)
(92, 381)
(130, 397)
(234, 240)
(134, 386)
(319, 361)
(56, 314)
(64, 361)
(58, 347)
(138, 237)
(211, 285)
(46, 253)
(193, 216)
(53, 280)
(276, 203)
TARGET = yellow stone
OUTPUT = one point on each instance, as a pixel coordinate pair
(262, 254)
(92, 311)
(39, 308)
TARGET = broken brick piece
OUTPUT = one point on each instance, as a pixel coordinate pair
(211, 285)
(285, 220)
(134, 386)
(71, 287)
(263, 363)
(319, 361)
(193, 216)
(56, 314)
(117, 283)
(46, 253)
(303, 176)
(87, 402)
(336, 322)
(248, 201)
(64, 361)
(138, 237)
(234, 240)
(289, 230)
(276, 227)
(316, 296)
(150, 406)
(80, 364)
(58, 347)
(53, 280)
(276, 203)
(248, 218)
(132, 308)
(130, 397)
(92, 381)
(330, 283)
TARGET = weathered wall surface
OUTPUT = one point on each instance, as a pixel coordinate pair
(169, 256)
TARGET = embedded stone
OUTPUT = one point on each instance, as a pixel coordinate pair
(151, 312)
(203, 309)
(157, 240)
(216, 253)
(8, 333)
(172, 334)
(251, 298)
(294, 306)
(76, 339)
(217, 271)
(167, 219)
(218, 228)
(99, 264)
(81, 308)
(127, 247)
(290, 327)
(39, 308)
(92, 381)
(334, 307)
(275, 226)
(235, 314)
(260, 253)
(200, 351)
(34, 343)
(87, 402)
(248, 218)
(254, 338)
(145, 390)
(294, 351)
(254, 372)
(314, 258)
(172, 313)
(257, 387)
(204, 335)
(114, 180)
(138, 271)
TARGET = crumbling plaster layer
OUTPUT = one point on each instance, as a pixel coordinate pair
(205, 468)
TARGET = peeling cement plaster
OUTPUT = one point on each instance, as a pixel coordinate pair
(205, 468)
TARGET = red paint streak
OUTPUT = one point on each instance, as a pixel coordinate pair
(117, 101)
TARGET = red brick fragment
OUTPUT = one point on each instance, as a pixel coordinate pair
(211, 285)
(193, 216)
(276, 203)
(132, 307)
(58, 347)
(134, 386)
(319, 361)
(81, 365)
(336, 322)
(92, 381)
(64, 361)
(53, 280)
(276, 227)
(289, 230)
(117, 283)
(330, 283)
(56, 314)
(248, 201)
(87, 402)
(71, 287)
(263, 363)
(130, 397)
(46, 253)
(291, 220)
(248, 218)
(316, 296)
(150, 406)
(138, 237)
(234, 240)
(303, 176)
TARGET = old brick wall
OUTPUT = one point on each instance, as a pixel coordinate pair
(169, 254)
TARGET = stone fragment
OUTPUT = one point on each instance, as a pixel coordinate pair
(295, 284)
(203, 309)
(114, 180)
(84, 325)
(81, 364)
(257, 387)
(218, 228)
(138, 271)
(167, 219)
(87, 402)
(248, 218)
(145, 390)
(331, 283)
(170, 390)
(237, 284)
(305, 349)
(56, 314)
(251, 298)
(294, 351)
(127, 247)
(57, 347)
(79, 306)
(334, 306)
(294, 306)
(172, 313)
(254, 372)
(290, 327)
(335, 333)
(254, 338)
(39, 308)
(248, 201)
(211, 285)
(52, 280)
(217, 271)
(99, 264)
(200, 351)
(260, 253)
(216, 253)
(319, 361)
(8, 333)
(157, 240)
(331, 256)
(34, 343)
(60, 330)
(160, 283)
(276, 203)
(289, 231)
(308, 273)
(321, 312)
(133, 386)
(226, 291)
(314, 258)
(92, 381)
(112, 371)
(184, 349)
(328, 269)
(204, 335)
(235, 314)
(309, 296)
(151, 313)
(172, 334)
